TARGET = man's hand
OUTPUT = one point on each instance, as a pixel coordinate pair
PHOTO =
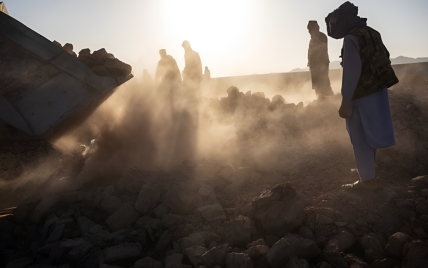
(345, 110)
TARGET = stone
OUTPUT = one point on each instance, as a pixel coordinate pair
(355, 261)
(43, 208)
(161, 210)
(208, 195)
(148, 262)
(371, 255)
(370, 242)
(322, 220)
(215, 256)
(256, 251)
(24, 209)
(279, 210)
(147, 200)
(260, 242)
(111, 203)
(77, 248)
(401, 203)
(344, 240)
(295, 262)
(420, 182)
(194, 254)
(416, 254)
(181, 200)
(422, 209)
(56, 234)
(171, 220)
(305, 232)
(328, 212)
(75, 197)
(424, 193)
(173, 260)
(396, 243)
(124, 216)
(290, 245)
(238, 260)
(277, 98)
(85, 224)
(335, 260)
(212, 212)
(122, 255)
(20, 263)
(240, 231)
(163, 242)
(117, 67)
(246, 210)
(192, 240)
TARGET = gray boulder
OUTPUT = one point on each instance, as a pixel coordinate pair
(420, 182)
(290, 245)
(212, 212)
(238, 260)
(256, 251)
(370, 242)
(344, 240)
(171, 220)
(396, 243)
(124, 216)
(161, 210)
(295, 262)
(22, 212)
(240, 231)
(279, 210)
(147, 199)
(416, 254)
(43, 208)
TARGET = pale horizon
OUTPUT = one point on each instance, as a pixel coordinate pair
(233, 38)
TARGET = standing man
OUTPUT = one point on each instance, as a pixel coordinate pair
(168, 77)
(367, 73)
(318, 61)
(192, 73)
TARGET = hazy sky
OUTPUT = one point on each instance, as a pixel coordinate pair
(233, 37)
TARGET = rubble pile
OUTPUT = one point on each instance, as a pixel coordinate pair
(246, 213)
(101, 62)
(181, 222)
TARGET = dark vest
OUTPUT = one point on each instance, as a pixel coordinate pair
(376, 71)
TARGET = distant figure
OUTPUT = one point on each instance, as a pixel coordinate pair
(207, 74)
(167, 77)
(318, 61)
(192, 73)
(147, 79)
(367, 73)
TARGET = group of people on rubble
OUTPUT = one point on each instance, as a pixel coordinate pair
(367, 74)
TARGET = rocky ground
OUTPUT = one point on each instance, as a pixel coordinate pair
(281, 205)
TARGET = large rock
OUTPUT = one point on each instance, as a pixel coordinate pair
(279, 210)
(194, 254)
(171, 220)
(371, 242)
(238, 260)
(22, 212)
(207, 194)
(117, 67)
(173, 260)
(212, 212)
(85, 224)
(420, 182)
(163, 242)
(124, 216)
(182, 200)
(416, 254)
(240, 231)
(216, 255)
(77, 248)
(56, 233)
(147, 199)
(344, 240)
(295, 262)
(122, 255)
(256, 251)
(290, 245)
(396, 243)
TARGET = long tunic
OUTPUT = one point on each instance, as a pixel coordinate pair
(318, 64)
(373, 110)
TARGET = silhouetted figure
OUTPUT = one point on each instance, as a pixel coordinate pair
(168, 77)
(147, 79)
(318, 61)
(192, 73)
(207, 74)
(367, 73)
